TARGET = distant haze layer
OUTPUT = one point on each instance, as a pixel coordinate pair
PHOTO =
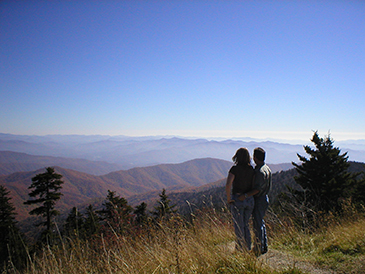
(122, 152)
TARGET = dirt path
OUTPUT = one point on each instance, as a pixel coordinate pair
(279, 260)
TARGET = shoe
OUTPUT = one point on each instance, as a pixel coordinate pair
(264, 250)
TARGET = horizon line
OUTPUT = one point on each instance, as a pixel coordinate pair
(216, 138)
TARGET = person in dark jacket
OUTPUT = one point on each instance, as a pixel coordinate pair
(238, 187)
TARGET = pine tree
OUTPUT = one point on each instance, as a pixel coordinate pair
(358, 193)
(7, 213)
(11, 240)
(324, 176)
(116, 212)
(46, 188)
(141, 214)
(164, 208)
(91, 222)
(74, 223)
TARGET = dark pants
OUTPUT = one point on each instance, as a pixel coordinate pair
(260, 208)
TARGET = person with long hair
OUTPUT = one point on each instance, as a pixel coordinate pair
(239, 188)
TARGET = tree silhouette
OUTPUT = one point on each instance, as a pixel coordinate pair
(164, 208)
(324, 177)
(46, 188)
(141, 216)
(116, 212)
(74, 223)
(91, 222)
(11, 240)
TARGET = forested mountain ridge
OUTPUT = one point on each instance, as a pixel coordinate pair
(80, 187)
(213, 194)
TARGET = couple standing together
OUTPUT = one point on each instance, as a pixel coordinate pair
(247, 191)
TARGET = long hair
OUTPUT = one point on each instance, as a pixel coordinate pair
(242, 157)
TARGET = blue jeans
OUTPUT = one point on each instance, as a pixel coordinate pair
(241, 212)
(260, 208)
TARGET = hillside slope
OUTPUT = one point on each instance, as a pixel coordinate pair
(80, 187)
(11, 162)
(213, 194)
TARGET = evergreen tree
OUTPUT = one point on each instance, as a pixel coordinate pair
(116, 212)
(46, 188)
(324, 177)
(141, 216)
(91, 222)
(358, 195)
(164, 208)
(74, 223)
(11, 241)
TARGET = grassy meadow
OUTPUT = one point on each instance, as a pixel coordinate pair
(205, 245)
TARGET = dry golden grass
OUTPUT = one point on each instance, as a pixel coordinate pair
(204, 246)
(174, 247)
(338, 244)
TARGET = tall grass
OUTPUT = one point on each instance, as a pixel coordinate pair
(173, 246)
(204, 245)
(337, 243)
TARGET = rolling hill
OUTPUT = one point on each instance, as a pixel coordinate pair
(11, 162)
(213, 194)
(81, 187)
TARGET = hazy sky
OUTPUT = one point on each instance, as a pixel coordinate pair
(261, 69)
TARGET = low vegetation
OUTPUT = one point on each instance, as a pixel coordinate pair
(203, 245)
(336, 243)
(171, 246)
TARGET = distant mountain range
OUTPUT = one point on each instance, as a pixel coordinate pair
(11, 162)
(81, 188)
(136, 168)
(121, 152)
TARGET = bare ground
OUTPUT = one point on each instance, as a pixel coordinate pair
(278, 260)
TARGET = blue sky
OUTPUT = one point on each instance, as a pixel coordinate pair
(260, 69)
